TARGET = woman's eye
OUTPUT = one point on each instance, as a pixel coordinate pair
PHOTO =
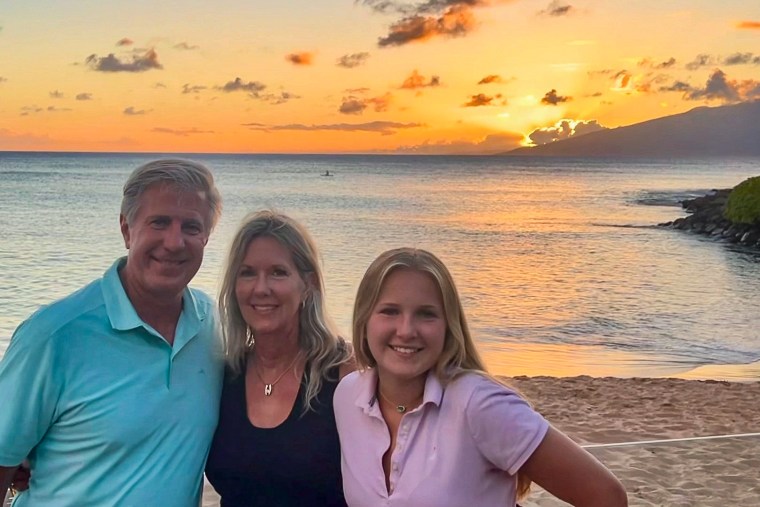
(279, 272)
(388, 311)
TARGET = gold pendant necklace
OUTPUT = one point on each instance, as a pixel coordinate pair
(268, 386)
(398, 406)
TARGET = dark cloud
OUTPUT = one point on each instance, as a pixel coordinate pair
(677, 86)
(356, 105)
(27, 110)
(456, 21)
(482, 99)
(557, 8)
(254, 90)
(742, 59)
(238, 85)
(84, 96)
(492, 78)
(352, 60)
(748, 25)
(186, 47)
(131, 111)
(416, 81)
(701, 60)
(647, 62)
(188, 88)
(277, 98)
(124, 42)
(552, 99)
(382, 127)
(180, 132)
(720, 87)
(53, 109)
(564, 129)
(2, 79)
(303, 58)
(110, 63)
(159, 85)
(352, 105)
(55, 94)
(428, 19)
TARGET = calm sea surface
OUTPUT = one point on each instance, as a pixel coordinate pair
(557, 261)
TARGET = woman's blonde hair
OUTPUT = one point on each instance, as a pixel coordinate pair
(318, 337)
(459, 353)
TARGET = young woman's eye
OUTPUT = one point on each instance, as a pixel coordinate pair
(388, 311)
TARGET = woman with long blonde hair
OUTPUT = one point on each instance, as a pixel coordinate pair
(424, 424)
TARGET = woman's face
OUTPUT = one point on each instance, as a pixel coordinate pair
(269, 289)
(406, 329)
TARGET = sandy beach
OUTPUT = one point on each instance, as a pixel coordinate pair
(702, 473)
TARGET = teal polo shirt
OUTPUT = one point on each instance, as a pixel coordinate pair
(107, 411)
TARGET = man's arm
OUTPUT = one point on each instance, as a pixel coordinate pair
(6, 476)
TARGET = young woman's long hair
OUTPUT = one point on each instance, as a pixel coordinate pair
(459, 353)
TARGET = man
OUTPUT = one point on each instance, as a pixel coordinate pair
(113, 392)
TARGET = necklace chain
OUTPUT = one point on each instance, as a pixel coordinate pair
(398, 406)
(269, 385)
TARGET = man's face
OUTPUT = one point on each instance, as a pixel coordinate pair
(165, 242)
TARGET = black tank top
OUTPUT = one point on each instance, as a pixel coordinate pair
(294, 464)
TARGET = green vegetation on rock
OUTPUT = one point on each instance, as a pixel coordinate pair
(743, 205)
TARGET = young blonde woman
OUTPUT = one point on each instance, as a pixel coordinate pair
(424, 425)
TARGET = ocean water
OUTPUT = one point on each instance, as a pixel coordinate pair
(558, 262)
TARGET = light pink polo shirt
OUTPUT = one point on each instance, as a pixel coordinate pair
(460, 448)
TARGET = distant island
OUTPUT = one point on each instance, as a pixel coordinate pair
(725, 131)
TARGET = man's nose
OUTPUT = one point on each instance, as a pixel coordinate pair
(174, 239)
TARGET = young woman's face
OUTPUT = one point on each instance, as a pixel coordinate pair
(407, 326)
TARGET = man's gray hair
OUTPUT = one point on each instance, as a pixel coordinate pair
(185, 174)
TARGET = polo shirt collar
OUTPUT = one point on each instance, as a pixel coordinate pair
(367, 398)
(123, 316)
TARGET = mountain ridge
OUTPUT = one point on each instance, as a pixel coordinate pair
(721, 131)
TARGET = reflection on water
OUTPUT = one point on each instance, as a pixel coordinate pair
(536, 247)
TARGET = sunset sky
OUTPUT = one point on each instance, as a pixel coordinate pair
(370, 76)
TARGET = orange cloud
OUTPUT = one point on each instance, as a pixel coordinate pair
(455, 21)
(303, 58)
(416, 80)
(749, 25)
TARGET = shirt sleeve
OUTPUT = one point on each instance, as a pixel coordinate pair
(504, 426)
(29, 392)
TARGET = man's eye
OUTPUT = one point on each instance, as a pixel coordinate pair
(193, 229)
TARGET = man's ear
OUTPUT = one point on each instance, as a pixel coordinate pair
(124, 226)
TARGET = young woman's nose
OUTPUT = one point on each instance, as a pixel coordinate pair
(405, 327)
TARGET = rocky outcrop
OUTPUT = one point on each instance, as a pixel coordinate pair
(706, 218)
